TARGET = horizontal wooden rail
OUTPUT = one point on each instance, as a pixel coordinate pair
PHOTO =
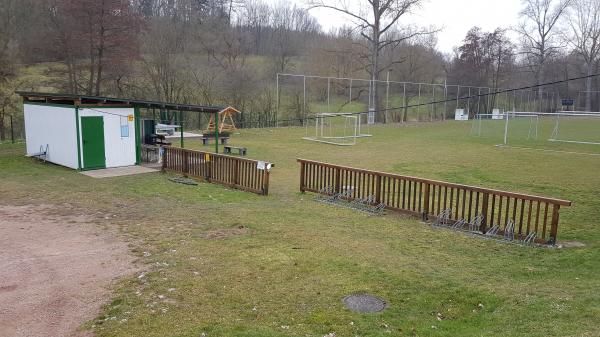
(240, 173)
(427, 198)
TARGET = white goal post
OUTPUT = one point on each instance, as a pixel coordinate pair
(532, 122)
(575, 127)
(336, 128)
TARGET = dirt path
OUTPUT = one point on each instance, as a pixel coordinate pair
(54, 271)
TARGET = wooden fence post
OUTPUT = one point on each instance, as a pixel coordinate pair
(209, 165)
(378, 190)
(266, 182)
(338, 173)
(484, 212)
(554, 224)
(236, 177)
(164, 157)
(185, 163)
(302, 174)
(426, 202)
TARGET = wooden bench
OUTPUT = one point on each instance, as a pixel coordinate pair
(206, 139)
(241, 150)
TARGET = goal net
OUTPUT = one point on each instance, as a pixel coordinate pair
(563, 130)
(335, 128)
(522, 126)
(575, 127)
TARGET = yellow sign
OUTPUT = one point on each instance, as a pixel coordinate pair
(130, 118)
(206, 157)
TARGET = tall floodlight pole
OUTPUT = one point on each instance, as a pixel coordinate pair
(445, 99)
(433, 107)
(328, 90)
(405, 103)
(304, 98)
(505, 127)
(387, 95)
(419, 105)
(469, 102)
(350, 98)
(478, 100)
(457, 94)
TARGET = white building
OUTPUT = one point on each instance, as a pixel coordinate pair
(90, 132)
(81, 138)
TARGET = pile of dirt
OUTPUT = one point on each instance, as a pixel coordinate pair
(56, 270)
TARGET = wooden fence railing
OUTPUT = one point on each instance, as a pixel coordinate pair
(244, 174)
(428, 198)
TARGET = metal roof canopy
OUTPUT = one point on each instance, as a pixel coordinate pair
(82, 100)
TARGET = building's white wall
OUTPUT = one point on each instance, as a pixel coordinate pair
(53, 127)
(119, 151)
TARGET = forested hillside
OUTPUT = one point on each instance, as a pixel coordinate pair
(229, 51)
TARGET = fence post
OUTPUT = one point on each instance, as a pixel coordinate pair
(208, 165)
(426, 202)
(484, 212)
(554, 224)
(236, 177)
(185, 163)
(338, 173)
(164, 157)
(302, 173)
(378, 190)
(266, 182)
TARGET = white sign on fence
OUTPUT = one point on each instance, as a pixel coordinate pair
(496, 114)
(461, 115)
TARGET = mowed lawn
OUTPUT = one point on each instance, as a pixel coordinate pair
(222, 262)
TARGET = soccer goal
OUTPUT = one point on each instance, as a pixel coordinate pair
(522, 125)
(576, 127)
(576, 131)
(335, 128)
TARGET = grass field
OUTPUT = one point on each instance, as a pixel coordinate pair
(286, 271)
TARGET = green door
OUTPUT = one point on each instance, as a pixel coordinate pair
(92, 139)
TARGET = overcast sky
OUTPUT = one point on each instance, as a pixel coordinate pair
(455, 17)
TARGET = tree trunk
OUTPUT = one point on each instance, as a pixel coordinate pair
(99, 72)
(2, 130)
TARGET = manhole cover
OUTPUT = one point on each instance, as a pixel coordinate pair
(364, 303)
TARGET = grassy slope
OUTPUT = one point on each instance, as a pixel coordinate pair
(287, 277)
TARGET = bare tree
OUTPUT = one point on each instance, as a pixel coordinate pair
(538, 33)
(584, 21)
(106, 31)
(376, 19)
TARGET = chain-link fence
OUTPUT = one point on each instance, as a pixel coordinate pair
(300, 96)
(12, 129)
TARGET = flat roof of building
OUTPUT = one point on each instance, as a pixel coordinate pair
(84, 100)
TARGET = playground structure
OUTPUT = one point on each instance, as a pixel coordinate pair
(225, 121)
